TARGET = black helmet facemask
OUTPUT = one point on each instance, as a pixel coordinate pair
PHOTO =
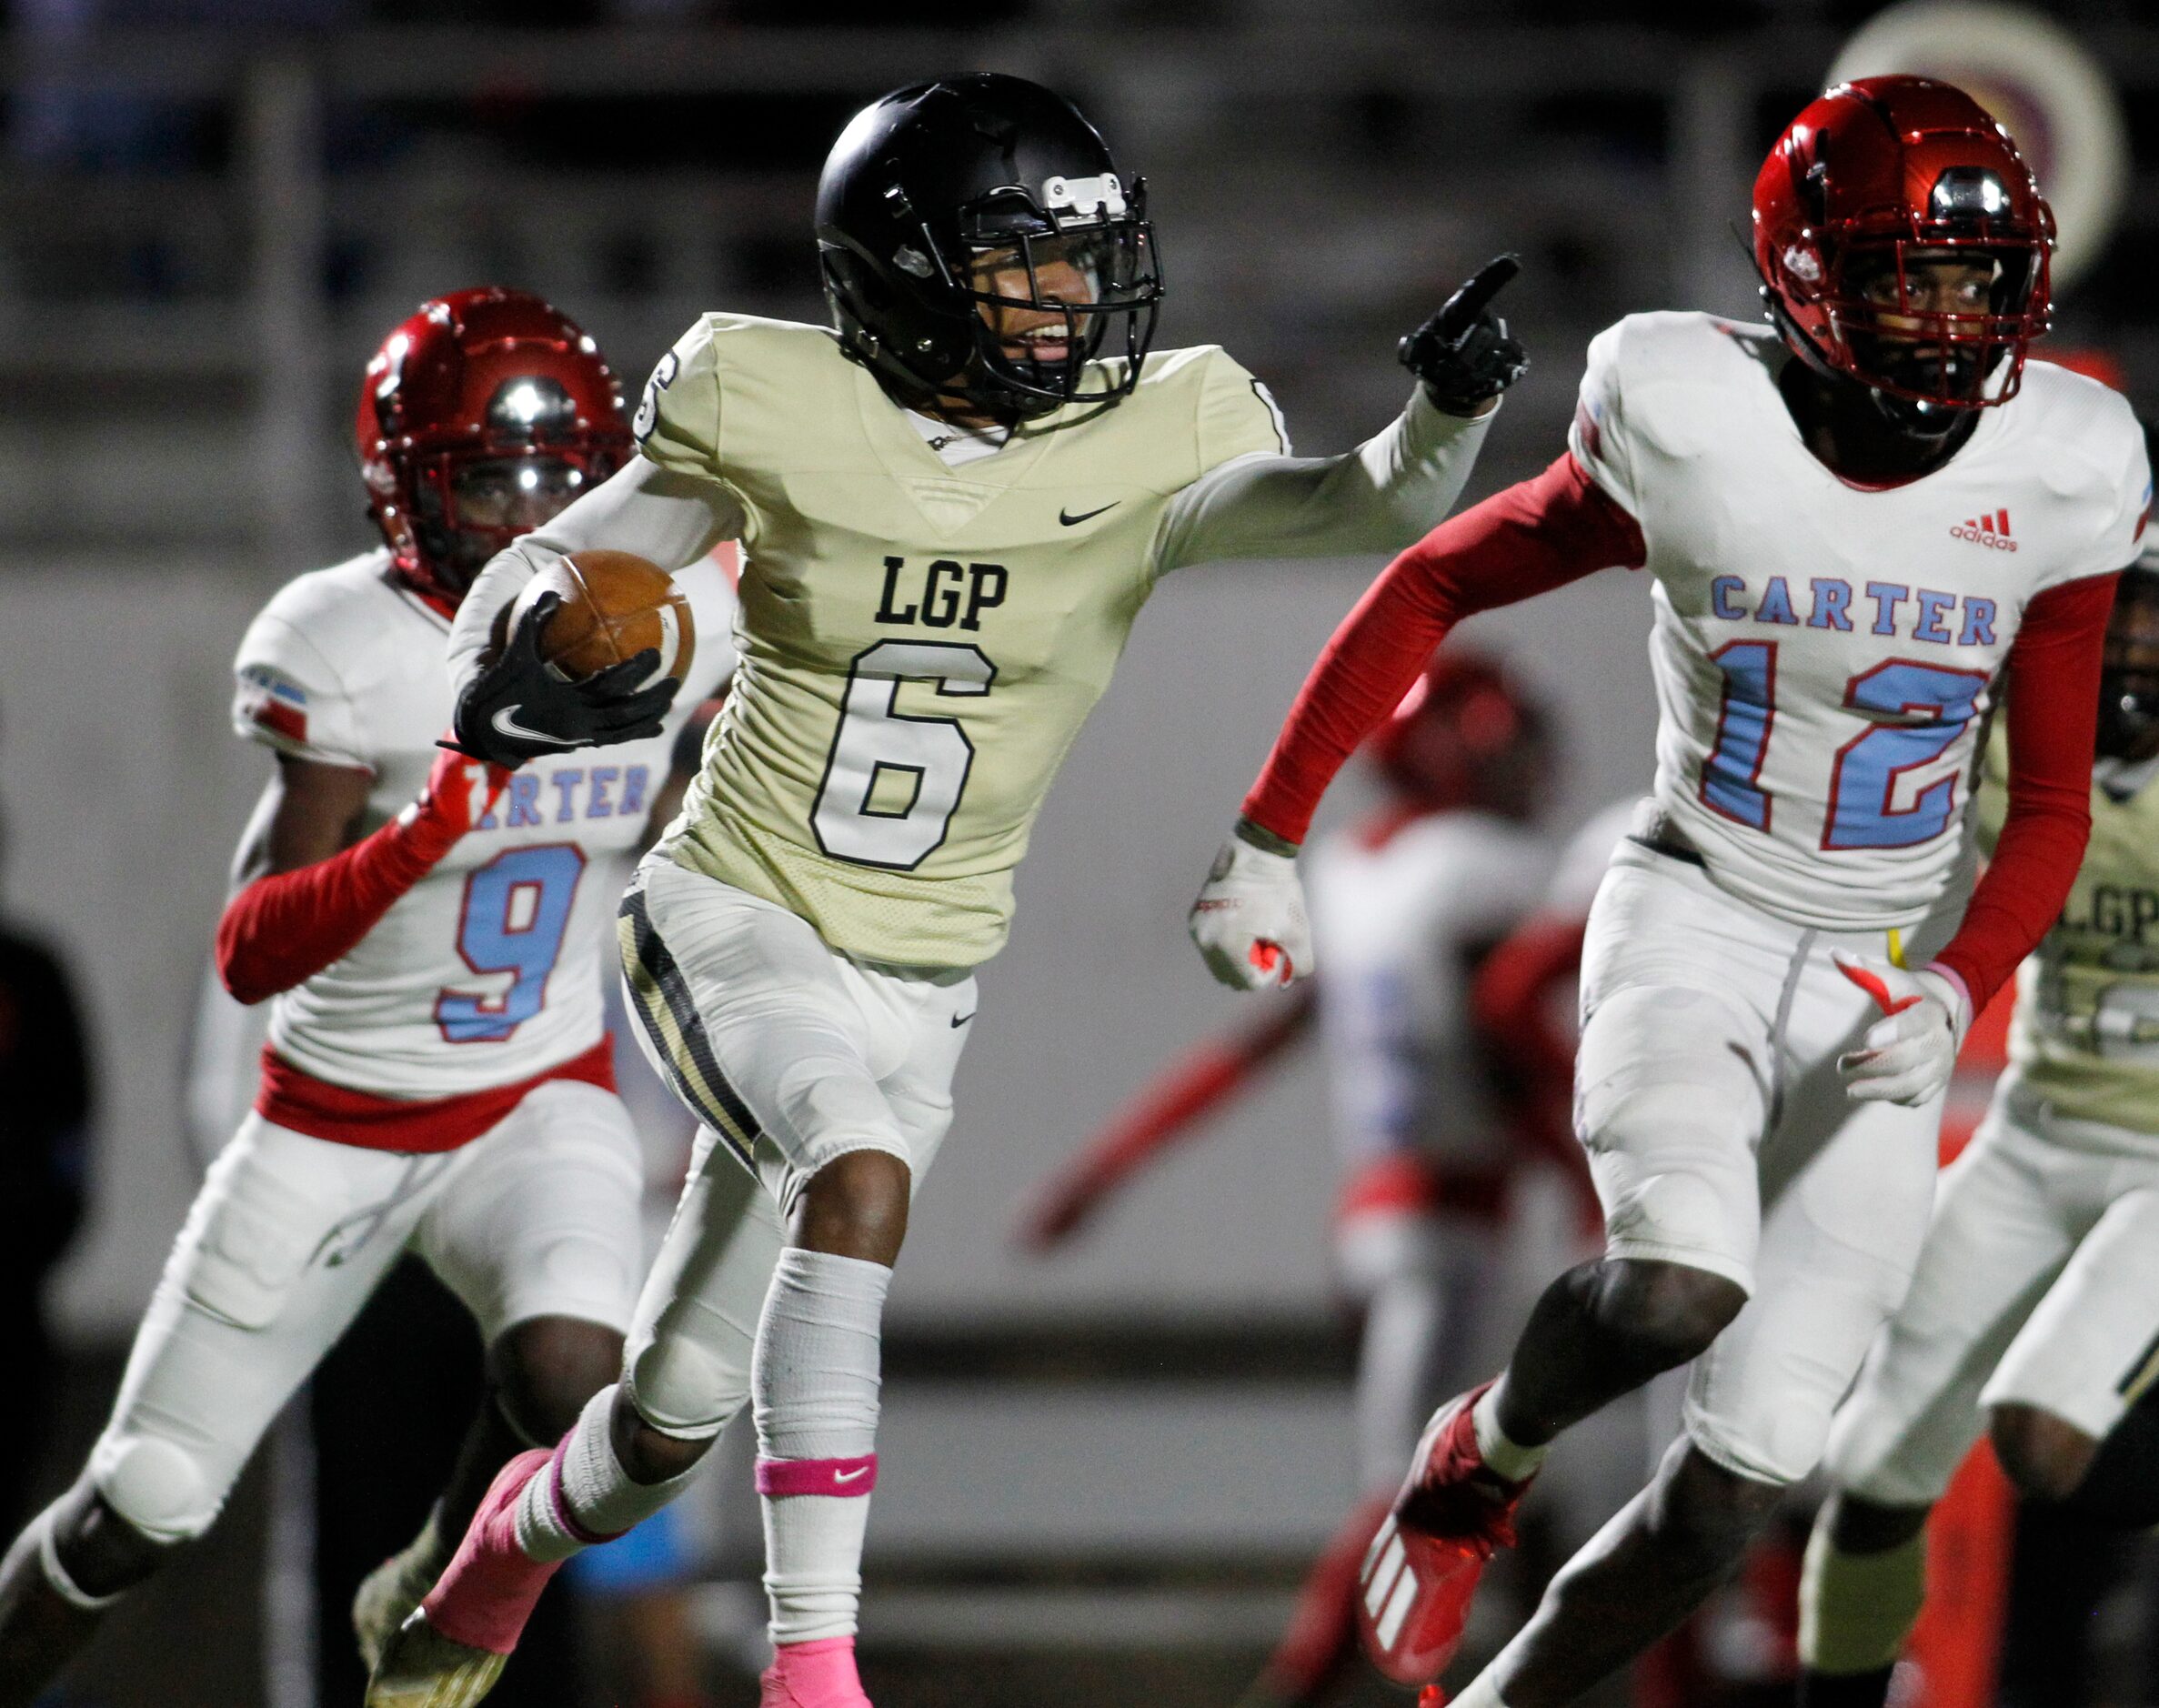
(2129, 675)
(979, 246)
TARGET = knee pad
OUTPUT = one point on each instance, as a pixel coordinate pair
(1659, 1168)
(157, 1488)
(683, 1386)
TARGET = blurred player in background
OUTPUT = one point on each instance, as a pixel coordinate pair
(952, 510)
(1857, 526)
(436, 1077)
(47, 1088)
(2035, 1313)
(1428, 1111)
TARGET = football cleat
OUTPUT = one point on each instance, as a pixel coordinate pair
(388, 1594)
(1422, 1567)
(421, 1668)
(452, 1649)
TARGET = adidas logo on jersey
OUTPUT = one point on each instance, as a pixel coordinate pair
(1991, 529)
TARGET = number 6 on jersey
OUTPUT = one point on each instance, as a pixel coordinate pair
(893, 780)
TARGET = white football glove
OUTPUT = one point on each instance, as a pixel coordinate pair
(1907, 1055)
(1249, 921)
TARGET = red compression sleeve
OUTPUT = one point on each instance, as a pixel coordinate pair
(286, 926)
(2052, 686)
(1526, 540)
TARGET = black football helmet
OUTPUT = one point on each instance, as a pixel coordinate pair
(950, 210)
(2129, 677)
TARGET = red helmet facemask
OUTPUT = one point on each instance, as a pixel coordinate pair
(1902, 242)
(1464, 736)
(481, 417)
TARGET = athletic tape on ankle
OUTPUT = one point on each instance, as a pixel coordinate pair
(1855, 1609)
(818, 1476)
(590, 1535)
(1503, 1455)
(596, 1498)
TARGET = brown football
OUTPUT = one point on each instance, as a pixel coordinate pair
(615, 605)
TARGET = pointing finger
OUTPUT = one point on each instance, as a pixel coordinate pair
(1464, 308)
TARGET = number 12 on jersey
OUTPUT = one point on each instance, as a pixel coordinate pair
(1863, 813)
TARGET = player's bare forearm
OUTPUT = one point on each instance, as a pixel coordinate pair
(308, 812)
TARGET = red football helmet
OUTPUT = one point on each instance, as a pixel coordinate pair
(482, 415)
(1465, 735)
(1873, 178)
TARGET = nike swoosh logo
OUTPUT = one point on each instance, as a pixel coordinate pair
(849, 1476)
(1070, 521)
(506, 723)
(961, 1019)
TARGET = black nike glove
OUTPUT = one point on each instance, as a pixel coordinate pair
(1462, 354)
(518, 708)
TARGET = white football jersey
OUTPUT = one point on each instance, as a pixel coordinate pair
(1824, 653)
(488, 970)
(1399, 928)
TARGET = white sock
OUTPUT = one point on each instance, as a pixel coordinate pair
(586, 1496)
(814, 1389)
(1507, 1458)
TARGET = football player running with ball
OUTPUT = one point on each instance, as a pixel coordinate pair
(1859, 528)
(2035, 1313)
(951, 508)
(437, 1076)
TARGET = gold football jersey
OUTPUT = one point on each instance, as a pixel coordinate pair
(919, 644)
(2086, 1031)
